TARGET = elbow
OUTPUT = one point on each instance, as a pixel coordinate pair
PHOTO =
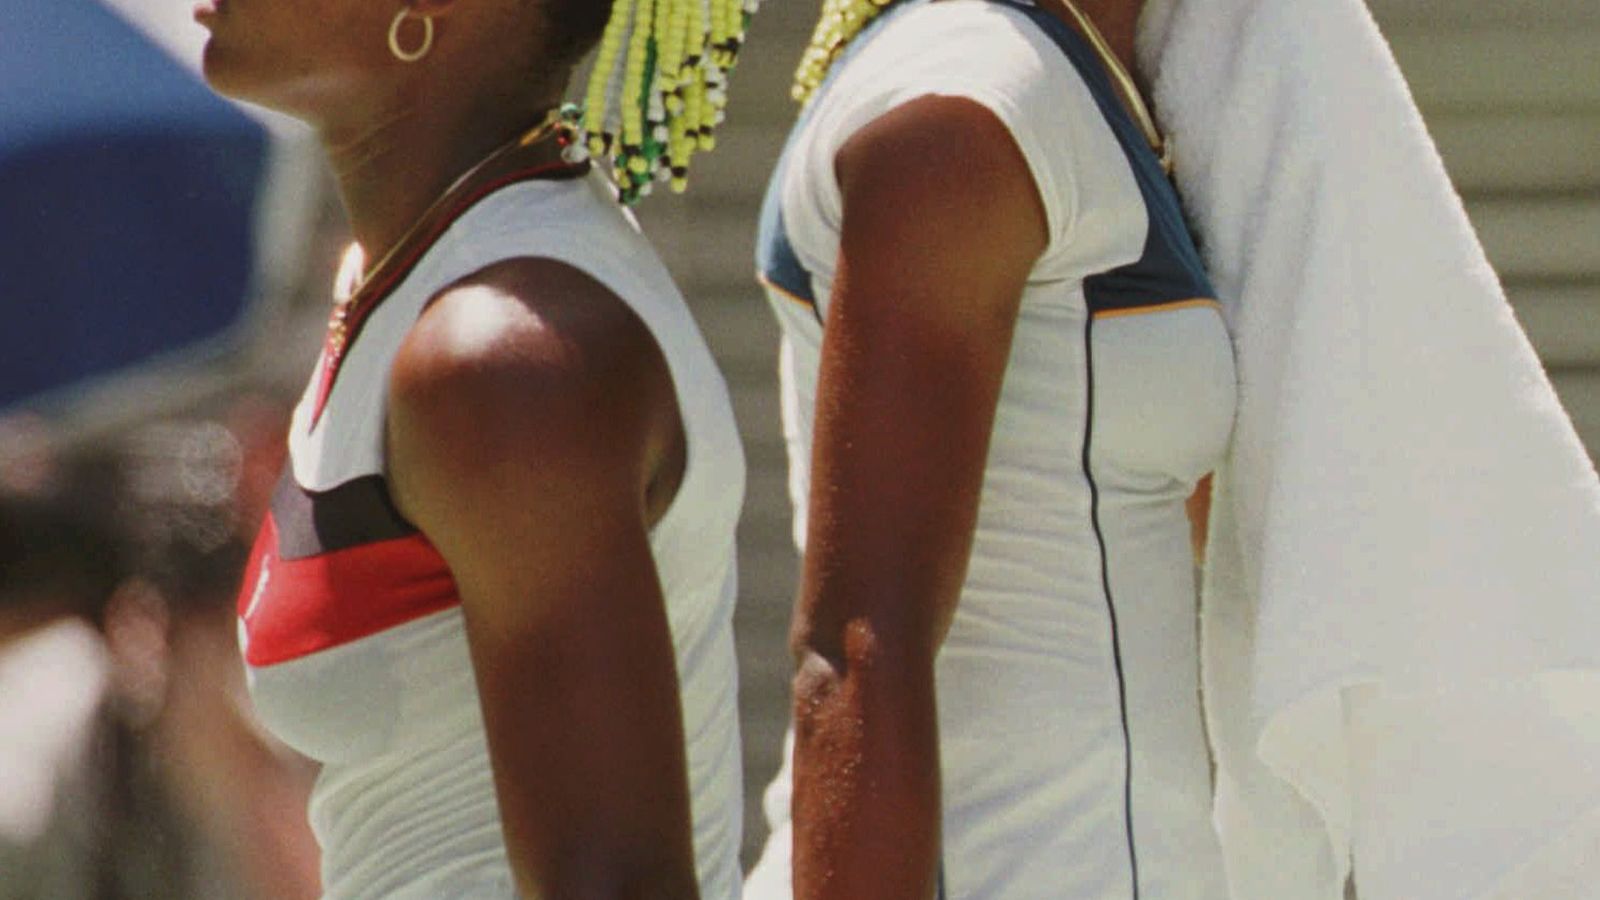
(607, 860)
(861, 659)
(818, 677)
(864, 643)
(613, 879)
(825, 655)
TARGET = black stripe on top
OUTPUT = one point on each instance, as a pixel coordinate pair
(1170, 267)
(311, 523)
(371, 295)
(1111, 605)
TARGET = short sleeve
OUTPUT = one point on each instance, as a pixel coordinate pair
(994, 56)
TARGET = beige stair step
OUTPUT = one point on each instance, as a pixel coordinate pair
(1540, 237)
(1455, 69)
(1476, 13)
(755, 403)
(704, 247)
(1580, 394)
(1520, 151)
(766, 592)
(741, 331)
(1562, 320)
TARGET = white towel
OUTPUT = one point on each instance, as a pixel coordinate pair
(1401, 621)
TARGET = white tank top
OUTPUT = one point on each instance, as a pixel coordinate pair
(349, 619)
(1074, 758)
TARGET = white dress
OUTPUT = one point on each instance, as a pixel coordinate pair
(350, 622)
(1074, 757)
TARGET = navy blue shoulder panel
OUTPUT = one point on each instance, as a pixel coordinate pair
(1170, 269)
(776, 262)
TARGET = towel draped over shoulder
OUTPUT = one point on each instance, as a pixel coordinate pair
(1401, 614)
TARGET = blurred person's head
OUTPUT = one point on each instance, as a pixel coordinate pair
(58, 558)
(258, 423)
(195, 488)
(136, 535)
(28, 456)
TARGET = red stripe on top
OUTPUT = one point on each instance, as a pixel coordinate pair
(293, 608)
(370, 295)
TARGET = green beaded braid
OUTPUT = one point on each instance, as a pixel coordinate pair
(839, 24)
(659, 87)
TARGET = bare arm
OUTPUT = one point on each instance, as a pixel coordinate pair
(532, 426)
(942, 225)
(1198, 507)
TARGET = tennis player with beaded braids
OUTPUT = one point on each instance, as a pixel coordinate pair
(1004, 376)
(493, 594)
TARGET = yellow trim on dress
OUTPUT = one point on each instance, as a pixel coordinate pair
(767, 282)
(1158, 308)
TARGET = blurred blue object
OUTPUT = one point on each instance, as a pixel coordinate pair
(128, 197)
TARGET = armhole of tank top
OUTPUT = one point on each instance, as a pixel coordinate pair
(1054, 178)
(520, 239)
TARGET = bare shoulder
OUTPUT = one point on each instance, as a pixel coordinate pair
(523, 334)
(527, 365)
(940, 213)
(937, 146)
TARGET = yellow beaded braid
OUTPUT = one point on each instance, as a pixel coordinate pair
(594, 102)
(722, 27)
(633, 85)
(839, 24)
(659, 87)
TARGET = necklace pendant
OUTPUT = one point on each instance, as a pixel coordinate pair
(338, 331)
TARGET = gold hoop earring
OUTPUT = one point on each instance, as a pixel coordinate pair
(410, 56)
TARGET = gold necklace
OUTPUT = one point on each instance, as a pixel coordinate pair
(362, 275)
(1130, 89)
(354, 275)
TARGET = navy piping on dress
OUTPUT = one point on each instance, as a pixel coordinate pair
(1168, 273)
(1170, 269)
(1111, 605)
(311, 523)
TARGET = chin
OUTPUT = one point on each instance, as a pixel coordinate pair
(230, 75)
(221, 71)
(239, 65)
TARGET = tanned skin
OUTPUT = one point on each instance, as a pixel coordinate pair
(532, 430)
(933, 258)
(931, 270)
(534, 438)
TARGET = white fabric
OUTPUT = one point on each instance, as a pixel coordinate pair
(1401, 625)
(52, 683)
(1031, 738)
(405, 806)
(999, 59)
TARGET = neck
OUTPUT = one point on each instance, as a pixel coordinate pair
(392, 167)
(1118, 21)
